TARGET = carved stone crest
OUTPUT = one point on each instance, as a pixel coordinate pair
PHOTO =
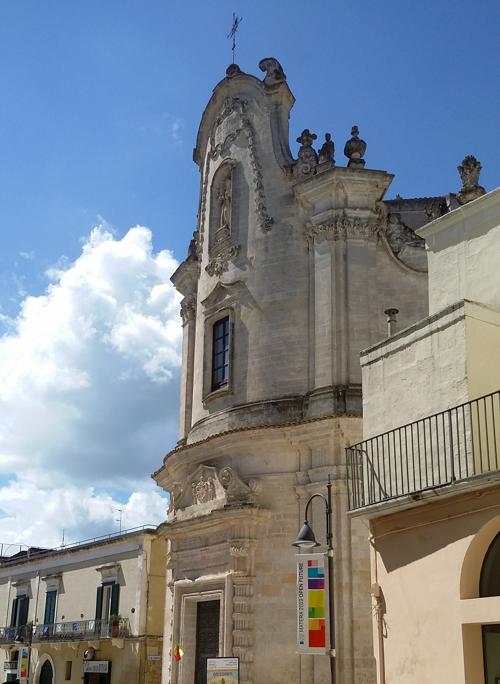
(209, 484)
(203, 490)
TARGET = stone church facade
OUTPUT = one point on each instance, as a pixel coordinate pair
(291, 267)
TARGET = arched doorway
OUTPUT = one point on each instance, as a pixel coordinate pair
(489, 585)
(46, 673)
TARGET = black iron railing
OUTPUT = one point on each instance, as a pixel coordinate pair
(447, 447)
(78, 630)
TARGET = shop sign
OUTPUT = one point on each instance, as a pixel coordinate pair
(10, 665)
(100, 666)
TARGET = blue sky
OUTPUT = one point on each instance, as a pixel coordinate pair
(100, 107)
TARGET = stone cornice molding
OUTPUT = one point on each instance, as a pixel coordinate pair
(177, 462)
(185, 278)
(342, 227)
(220, 519)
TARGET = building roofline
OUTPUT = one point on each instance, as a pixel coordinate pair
(77, 546)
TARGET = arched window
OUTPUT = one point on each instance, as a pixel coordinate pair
(489, 582)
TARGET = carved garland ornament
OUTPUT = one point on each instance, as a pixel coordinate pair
(229, 106)
(219, 263)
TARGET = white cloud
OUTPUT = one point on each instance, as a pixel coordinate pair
(88, 385)
(29, 256)
(36, 516)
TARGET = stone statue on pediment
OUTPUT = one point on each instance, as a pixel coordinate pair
(469, 171)
(327, 151)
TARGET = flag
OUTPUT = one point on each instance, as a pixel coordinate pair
(178, 652)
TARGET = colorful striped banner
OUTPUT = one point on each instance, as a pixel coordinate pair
(312, 603)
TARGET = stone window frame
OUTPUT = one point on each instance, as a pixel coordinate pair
(211, 319)
(187, 594)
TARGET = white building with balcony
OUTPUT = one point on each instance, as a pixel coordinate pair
(91, 611)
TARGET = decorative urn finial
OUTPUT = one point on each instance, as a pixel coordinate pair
(355, 149)
(469, 171)
(233, 70)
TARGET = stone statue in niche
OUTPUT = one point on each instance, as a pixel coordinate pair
(355, 149)
(469, 171)
(327, 151)
(308, 159)
(224, 197)
(274, 71)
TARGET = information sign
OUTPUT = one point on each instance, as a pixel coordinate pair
(223, 670)
(101, 666)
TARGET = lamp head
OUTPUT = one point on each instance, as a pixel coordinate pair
(305, 538)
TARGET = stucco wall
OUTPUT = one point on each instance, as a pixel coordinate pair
(419, 560)
(464, 253)
(416, 373)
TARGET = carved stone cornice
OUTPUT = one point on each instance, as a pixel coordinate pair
(342, 227)
(219, 263)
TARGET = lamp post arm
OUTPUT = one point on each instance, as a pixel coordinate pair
(317, 495)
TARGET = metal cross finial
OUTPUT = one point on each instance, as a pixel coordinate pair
(232, 33)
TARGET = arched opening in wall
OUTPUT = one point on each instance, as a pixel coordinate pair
(474, 559)
(44, 672)
(489, 585)
(480, 579)
(489, 582)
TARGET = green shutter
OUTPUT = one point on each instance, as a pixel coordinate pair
(23, 610)
(115, 599)
(98, 604)
(13, 615)
(50, 607)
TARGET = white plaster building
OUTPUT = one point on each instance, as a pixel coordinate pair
(90, 612)
(287, 278)
(426, 478)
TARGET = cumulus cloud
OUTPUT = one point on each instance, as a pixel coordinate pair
(89, 390)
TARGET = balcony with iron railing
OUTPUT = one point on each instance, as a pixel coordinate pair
(450, 447)
(77, 630)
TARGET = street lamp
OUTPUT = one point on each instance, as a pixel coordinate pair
(307, 540)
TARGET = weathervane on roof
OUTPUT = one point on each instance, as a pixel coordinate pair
(232, 33)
